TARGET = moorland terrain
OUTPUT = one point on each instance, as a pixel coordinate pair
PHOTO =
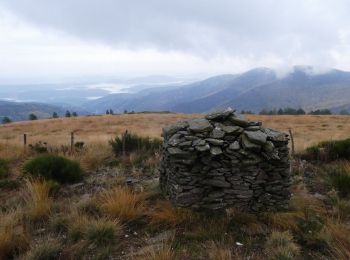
(114, 209)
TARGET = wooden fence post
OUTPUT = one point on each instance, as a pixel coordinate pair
(71, 142)
(292, 140)
(25, 142)
(123, 140)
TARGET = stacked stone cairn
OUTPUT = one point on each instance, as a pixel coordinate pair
(224, 160)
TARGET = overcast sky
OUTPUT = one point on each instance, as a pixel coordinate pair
(65, 38)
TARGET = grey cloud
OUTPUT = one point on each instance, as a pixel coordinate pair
(202, 27)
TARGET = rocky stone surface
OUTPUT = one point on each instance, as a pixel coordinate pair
(224, 160)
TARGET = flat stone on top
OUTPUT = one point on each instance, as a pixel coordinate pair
(239, 120)
(220, 114)
(200, 125)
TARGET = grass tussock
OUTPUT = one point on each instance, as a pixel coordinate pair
(206, 228)
(285, 220)
(123, 203)
(77, 225)
(14, 238)
(217, 251)
(46, 249)
(161, 251)
(99, 231)
(340, 245)
(89, 207)
(339, 177)
(165, 214)
(38, 203)
(341, 208)
(244, 222)
(281, 245)
(94, 156)
(103, 231)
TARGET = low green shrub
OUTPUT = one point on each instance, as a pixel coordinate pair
(328, 151)
(9, 184)
(39, 147)
(339, 178)
(4, 169)
(54, 167)
(129, 143)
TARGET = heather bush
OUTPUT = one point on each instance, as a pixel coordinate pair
(54, 167)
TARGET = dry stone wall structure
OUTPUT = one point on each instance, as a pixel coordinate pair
(222, 161)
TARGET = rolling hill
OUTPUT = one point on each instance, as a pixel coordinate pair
(20, 111)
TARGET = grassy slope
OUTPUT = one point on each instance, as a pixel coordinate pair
(307, 129)
(101, 217)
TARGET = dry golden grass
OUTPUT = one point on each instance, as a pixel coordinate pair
(11, 151)
(94, 156)
(155, 252)
(301, 204)
(285, 220)
(217, 251)
(123, 203)
(14, 238)
(77, 226)
(281, 245)
(166, 214)
(38, 202)
(340, 233)
(307, 129)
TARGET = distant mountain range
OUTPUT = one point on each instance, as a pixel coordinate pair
(254, 90)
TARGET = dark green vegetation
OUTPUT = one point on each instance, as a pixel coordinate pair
(4, 169)
(129, 143)
(339, 178)
(329, 151)
(32, 117)
(283, 111)
(299, 111)
(6, 120)
(54, 167)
